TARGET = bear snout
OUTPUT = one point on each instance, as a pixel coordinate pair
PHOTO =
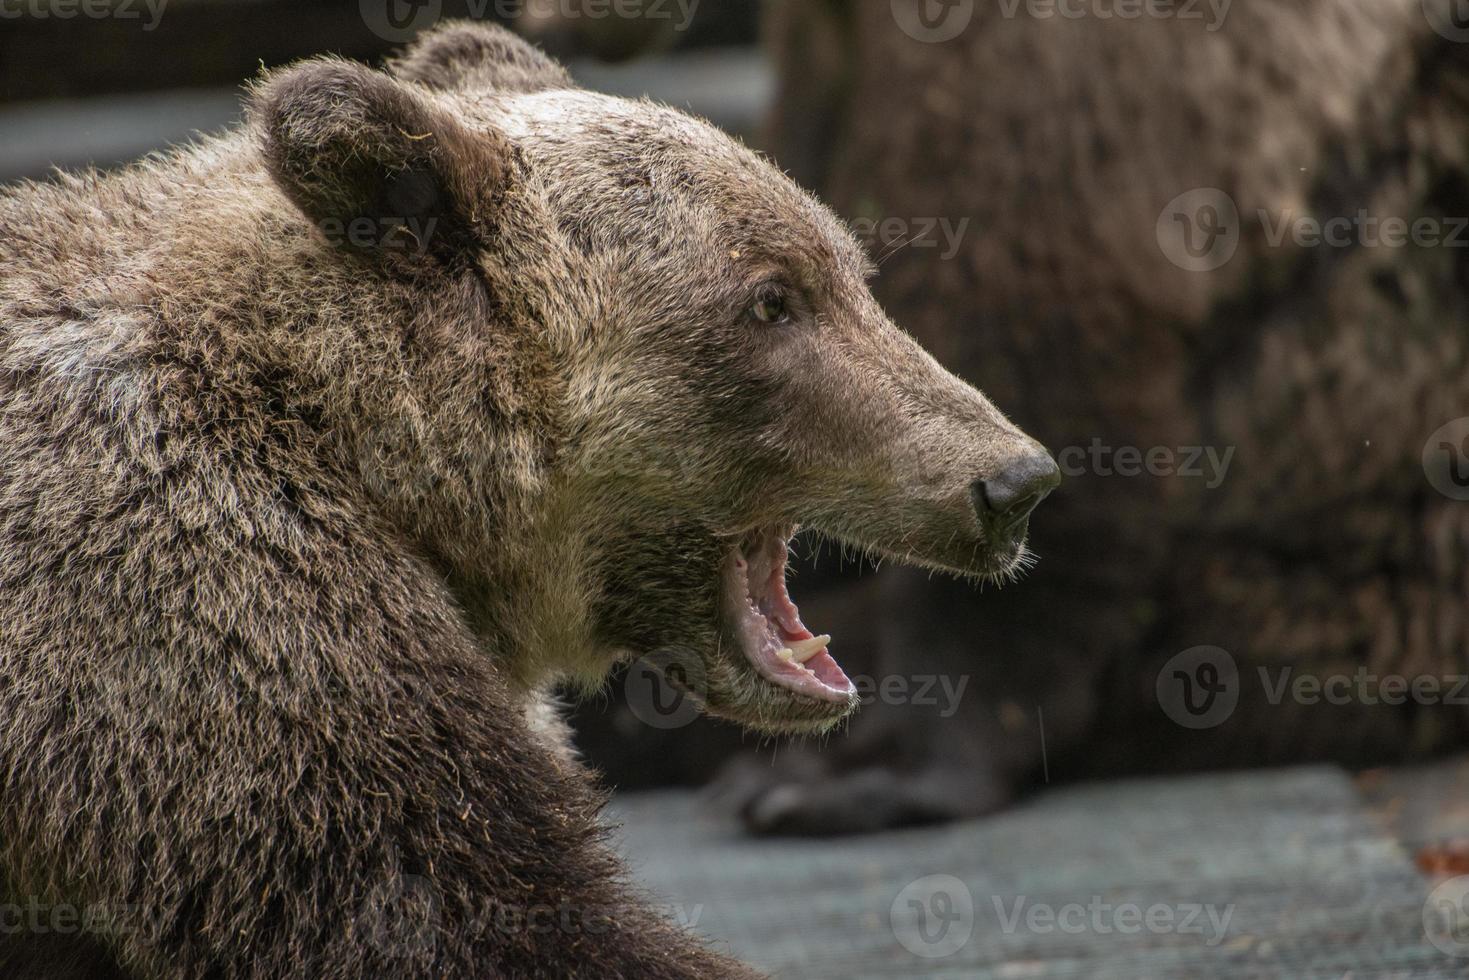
(1003, 500)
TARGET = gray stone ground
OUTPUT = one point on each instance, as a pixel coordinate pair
(1294, 873)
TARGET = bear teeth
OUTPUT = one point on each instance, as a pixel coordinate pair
(803, 650)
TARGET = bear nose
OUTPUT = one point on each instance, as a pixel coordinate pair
(1004, 500)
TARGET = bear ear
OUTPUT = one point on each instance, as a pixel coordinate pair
(467, 55)
(375, 165)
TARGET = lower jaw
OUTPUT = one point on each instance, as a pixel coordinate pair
(751, 701)
(792, 665)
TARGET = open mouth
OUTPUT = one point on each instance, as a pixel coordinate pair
(768, 626)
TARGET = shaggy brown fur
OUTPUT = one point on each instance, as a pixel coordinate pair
(327, 444)
(1325, 549)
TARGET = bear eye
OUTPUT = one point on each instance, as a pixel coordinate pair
(771, 308)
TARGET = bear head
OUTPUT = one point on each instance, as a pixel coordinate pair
(699, 365)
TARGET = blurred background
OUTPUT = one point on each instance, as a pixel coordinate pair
(1215, 255)
(91, 82)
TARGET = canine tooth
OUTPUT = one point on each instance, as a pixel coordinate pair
(786, 653)
(803, 650)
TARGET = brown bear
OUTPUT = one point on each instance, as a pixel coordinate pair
(1304, 376)
(329, 444)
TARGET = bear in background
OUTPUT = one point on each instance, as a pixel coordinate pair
(328, 445)
(1137, 273)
